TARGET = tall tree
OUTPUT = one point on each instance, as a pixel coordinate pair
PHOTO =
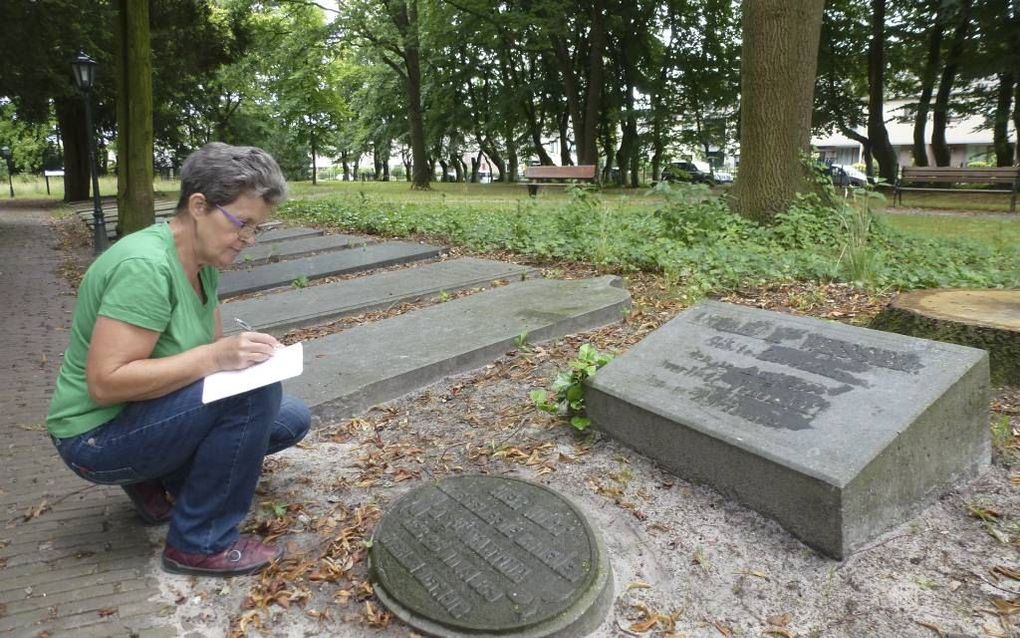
(940, 118)
(133, 67)
(878, 135)
(392, 29)
(779, 56)
(928, 75)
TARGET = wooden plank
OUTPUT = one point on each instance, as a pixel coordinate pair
(944, 174)
(585, 171)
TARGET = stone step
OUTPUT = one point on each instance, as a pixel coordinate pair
(300, 307)
(237, 282)
(287, 232)
(349, 372)
(834, 431)
(262, 253)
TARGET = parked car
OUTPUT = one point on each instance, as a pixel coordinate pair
(723, 177)
(844, 175)
(686, 172)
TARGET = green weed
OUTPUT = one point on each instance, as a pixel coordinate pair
(566, 396)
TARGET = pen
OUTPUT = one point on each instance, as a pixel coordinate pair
(244, 325)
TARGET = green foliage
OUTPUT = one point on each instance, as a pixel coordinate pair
(691, 238)
(566, 396)
(300, 282)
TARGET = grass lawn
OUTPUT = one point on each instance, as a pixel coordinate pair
(998, 233)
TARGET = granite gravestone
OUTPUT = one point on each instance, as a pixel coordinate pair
(492, 556)
(834, 431)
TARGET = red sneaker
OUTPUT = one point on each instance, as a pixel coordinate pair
(246, 556)
(150, 501)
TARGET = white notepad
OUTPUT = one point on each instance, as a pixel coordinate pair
(285, 363)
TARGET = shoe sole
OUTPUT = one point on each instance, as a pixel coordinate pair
(174, 567)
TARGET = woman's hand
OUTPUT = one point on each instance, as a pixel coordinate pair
(243, 350)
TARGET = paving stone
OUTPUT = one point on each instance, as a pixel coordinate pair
(350, 371)
(834, 431)
(263, 252)
(316, 304)
(287, 232)
(256, 278)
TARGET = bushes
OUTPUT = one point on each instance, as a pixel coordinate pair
(692, 238)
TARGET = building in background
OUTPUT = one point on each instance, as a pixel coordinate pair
(969, 139)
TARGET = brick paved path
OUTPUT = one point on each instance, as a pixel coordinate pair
(83, 567)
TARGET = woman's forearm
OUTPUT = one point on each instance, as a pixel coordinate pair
(152, 378)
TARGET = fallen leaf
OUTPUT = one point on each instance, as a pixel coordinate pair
(106, 611)
(638, 584)
(37, 511)
(779, 620)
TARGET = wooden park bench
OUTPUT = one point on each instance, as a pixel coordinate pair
(561, 176)
(1007, 178)
(164, 209)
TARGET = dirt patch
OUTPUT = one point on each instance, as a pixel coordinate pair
(686, 561)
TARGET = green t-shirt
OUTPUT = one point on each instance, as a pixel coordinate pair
(139, 280)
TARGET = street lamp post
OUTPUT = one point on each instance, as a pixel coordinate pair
(5, 152)
(84, 75)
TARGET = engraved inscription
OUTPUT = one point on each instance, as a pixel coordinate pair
(440, 591)
(868, 355)
(484, 553)
(771, 399)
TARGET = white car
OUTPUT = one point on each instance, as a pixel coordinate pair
(851, 175)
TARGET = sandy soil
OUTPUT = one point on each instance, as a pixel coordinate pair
(686, 561)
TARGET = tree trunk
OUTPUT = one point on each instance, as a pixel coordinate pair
(570, 91)
(476, 163)
(565, 159)
(588, 152)
(1000, 134)
(777, 77)
(406, 20)
(134, 117)
(535, 129)
(931, 64)
(71, 122)
(881, 148)
(315, 170)
(939, 147)
(1016, 121)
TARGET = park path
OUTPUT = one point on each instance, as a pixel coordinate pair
(74, 560)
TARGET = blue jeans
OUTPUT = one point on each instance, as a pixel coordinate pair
(208, 456)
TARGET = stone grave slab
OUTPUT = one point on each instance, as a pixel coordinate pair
(262, 253)
(490, 556)
(391, 253)
(350, 371)
(287, 232)
(295, 308)
(834, 431)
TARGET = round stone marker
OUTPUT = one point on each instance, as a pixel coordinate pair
(490, 556)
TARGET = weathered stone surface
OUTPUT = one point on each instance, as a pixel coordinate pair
(353, 370)
(836, 432)
(285, 233)
(315, 304)
(256, 278)
(493, 556)
(261, 252)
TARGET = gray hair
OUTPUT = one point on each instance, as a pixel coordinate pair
(223, 173)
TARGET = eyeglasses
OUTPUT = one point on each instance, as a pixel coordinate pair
(247, 232)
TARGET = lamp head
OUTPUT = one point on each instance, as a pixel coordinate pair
(84, 71)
